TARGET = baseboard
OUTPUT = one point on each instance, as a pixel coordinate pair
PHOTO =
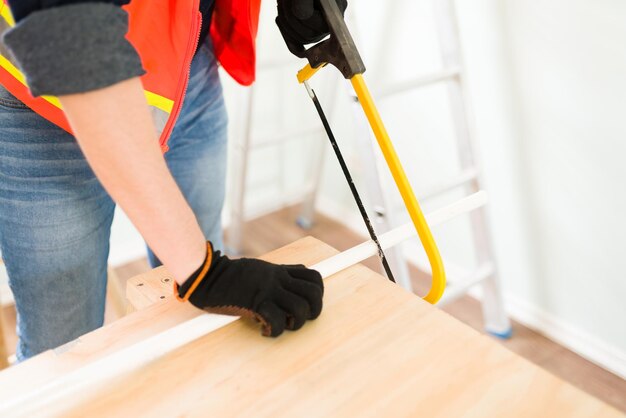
(582, 343)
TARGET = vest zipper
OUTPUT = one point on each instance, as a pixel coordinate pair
(192, 46)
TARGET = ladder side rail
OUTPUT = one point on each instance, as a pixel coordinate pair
(379, 200)
(306, 219)
(495, 317)
(239, 172)
(377, 191)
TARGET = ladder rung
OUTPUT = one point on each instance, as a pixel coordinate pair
(460, 280)
(463, 178)
(407, 231)
(426, 80)
(460, 288)
(289, 136)
(456, 273)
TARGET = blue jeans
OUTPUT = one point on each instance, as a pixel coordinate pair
(55, 216)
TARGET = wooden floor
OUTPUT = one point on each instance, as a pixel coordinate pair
(279, 228)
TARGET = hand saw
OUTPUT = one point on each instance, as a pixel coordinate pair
(340, 51)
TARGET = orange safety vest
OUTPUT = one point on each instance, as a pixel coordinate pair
(165, 33)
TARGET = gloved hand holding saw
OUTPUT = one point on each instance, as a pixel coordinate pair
(302, 22)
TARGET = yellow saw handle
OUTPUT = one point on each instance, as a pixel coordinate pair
(438, 284)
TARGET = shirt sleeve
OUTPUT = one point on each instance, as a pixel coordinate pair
(73, 48)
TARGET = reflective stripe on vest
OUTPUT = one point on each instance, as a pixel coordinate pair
(165, 34)
(15, 82)
(162, 94)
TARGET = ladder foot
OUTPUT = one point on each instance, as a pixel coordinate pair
(503, 335)
(304, 223)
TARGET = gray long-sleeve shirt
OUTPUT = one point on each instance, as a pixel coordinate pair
(74, 46)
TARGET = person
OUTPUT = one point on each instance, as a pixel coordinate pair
(91, 94)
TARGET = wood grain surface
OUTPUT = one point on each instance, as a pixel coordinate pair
(376, 350)
(146, 289)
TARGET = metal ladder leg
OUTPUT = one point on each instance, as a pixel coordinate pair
(307, 212)
(379, 202)
(239, 170)
(306, 219)
(494, 314)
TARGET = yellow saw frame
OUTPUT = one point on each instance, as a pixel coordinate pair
(438, 284)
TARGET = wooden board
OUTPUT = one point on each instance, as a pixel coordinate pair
(376, 350)
(146, 289)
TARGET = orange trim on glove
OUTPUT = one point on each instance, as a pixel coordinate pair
(196, 283)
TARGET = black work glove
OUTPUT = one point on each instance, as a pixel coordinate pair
(278, 296)
(302, 22)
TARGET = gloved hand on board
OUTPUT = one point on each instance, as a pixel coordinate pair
(278, 296)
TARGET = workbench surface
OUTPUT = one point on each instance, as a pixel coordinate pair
(376, 350)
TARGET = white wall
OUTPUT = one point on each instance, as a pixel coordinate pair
(548, 88)
(569, 76)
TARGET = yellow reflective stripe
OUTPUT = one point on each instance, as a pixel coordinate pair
(153, 99)
(12, 69)
(53, 100)
(159, 102)
(5, 12)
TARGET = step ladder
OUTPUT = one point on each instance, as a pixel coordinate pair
(380, 205)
